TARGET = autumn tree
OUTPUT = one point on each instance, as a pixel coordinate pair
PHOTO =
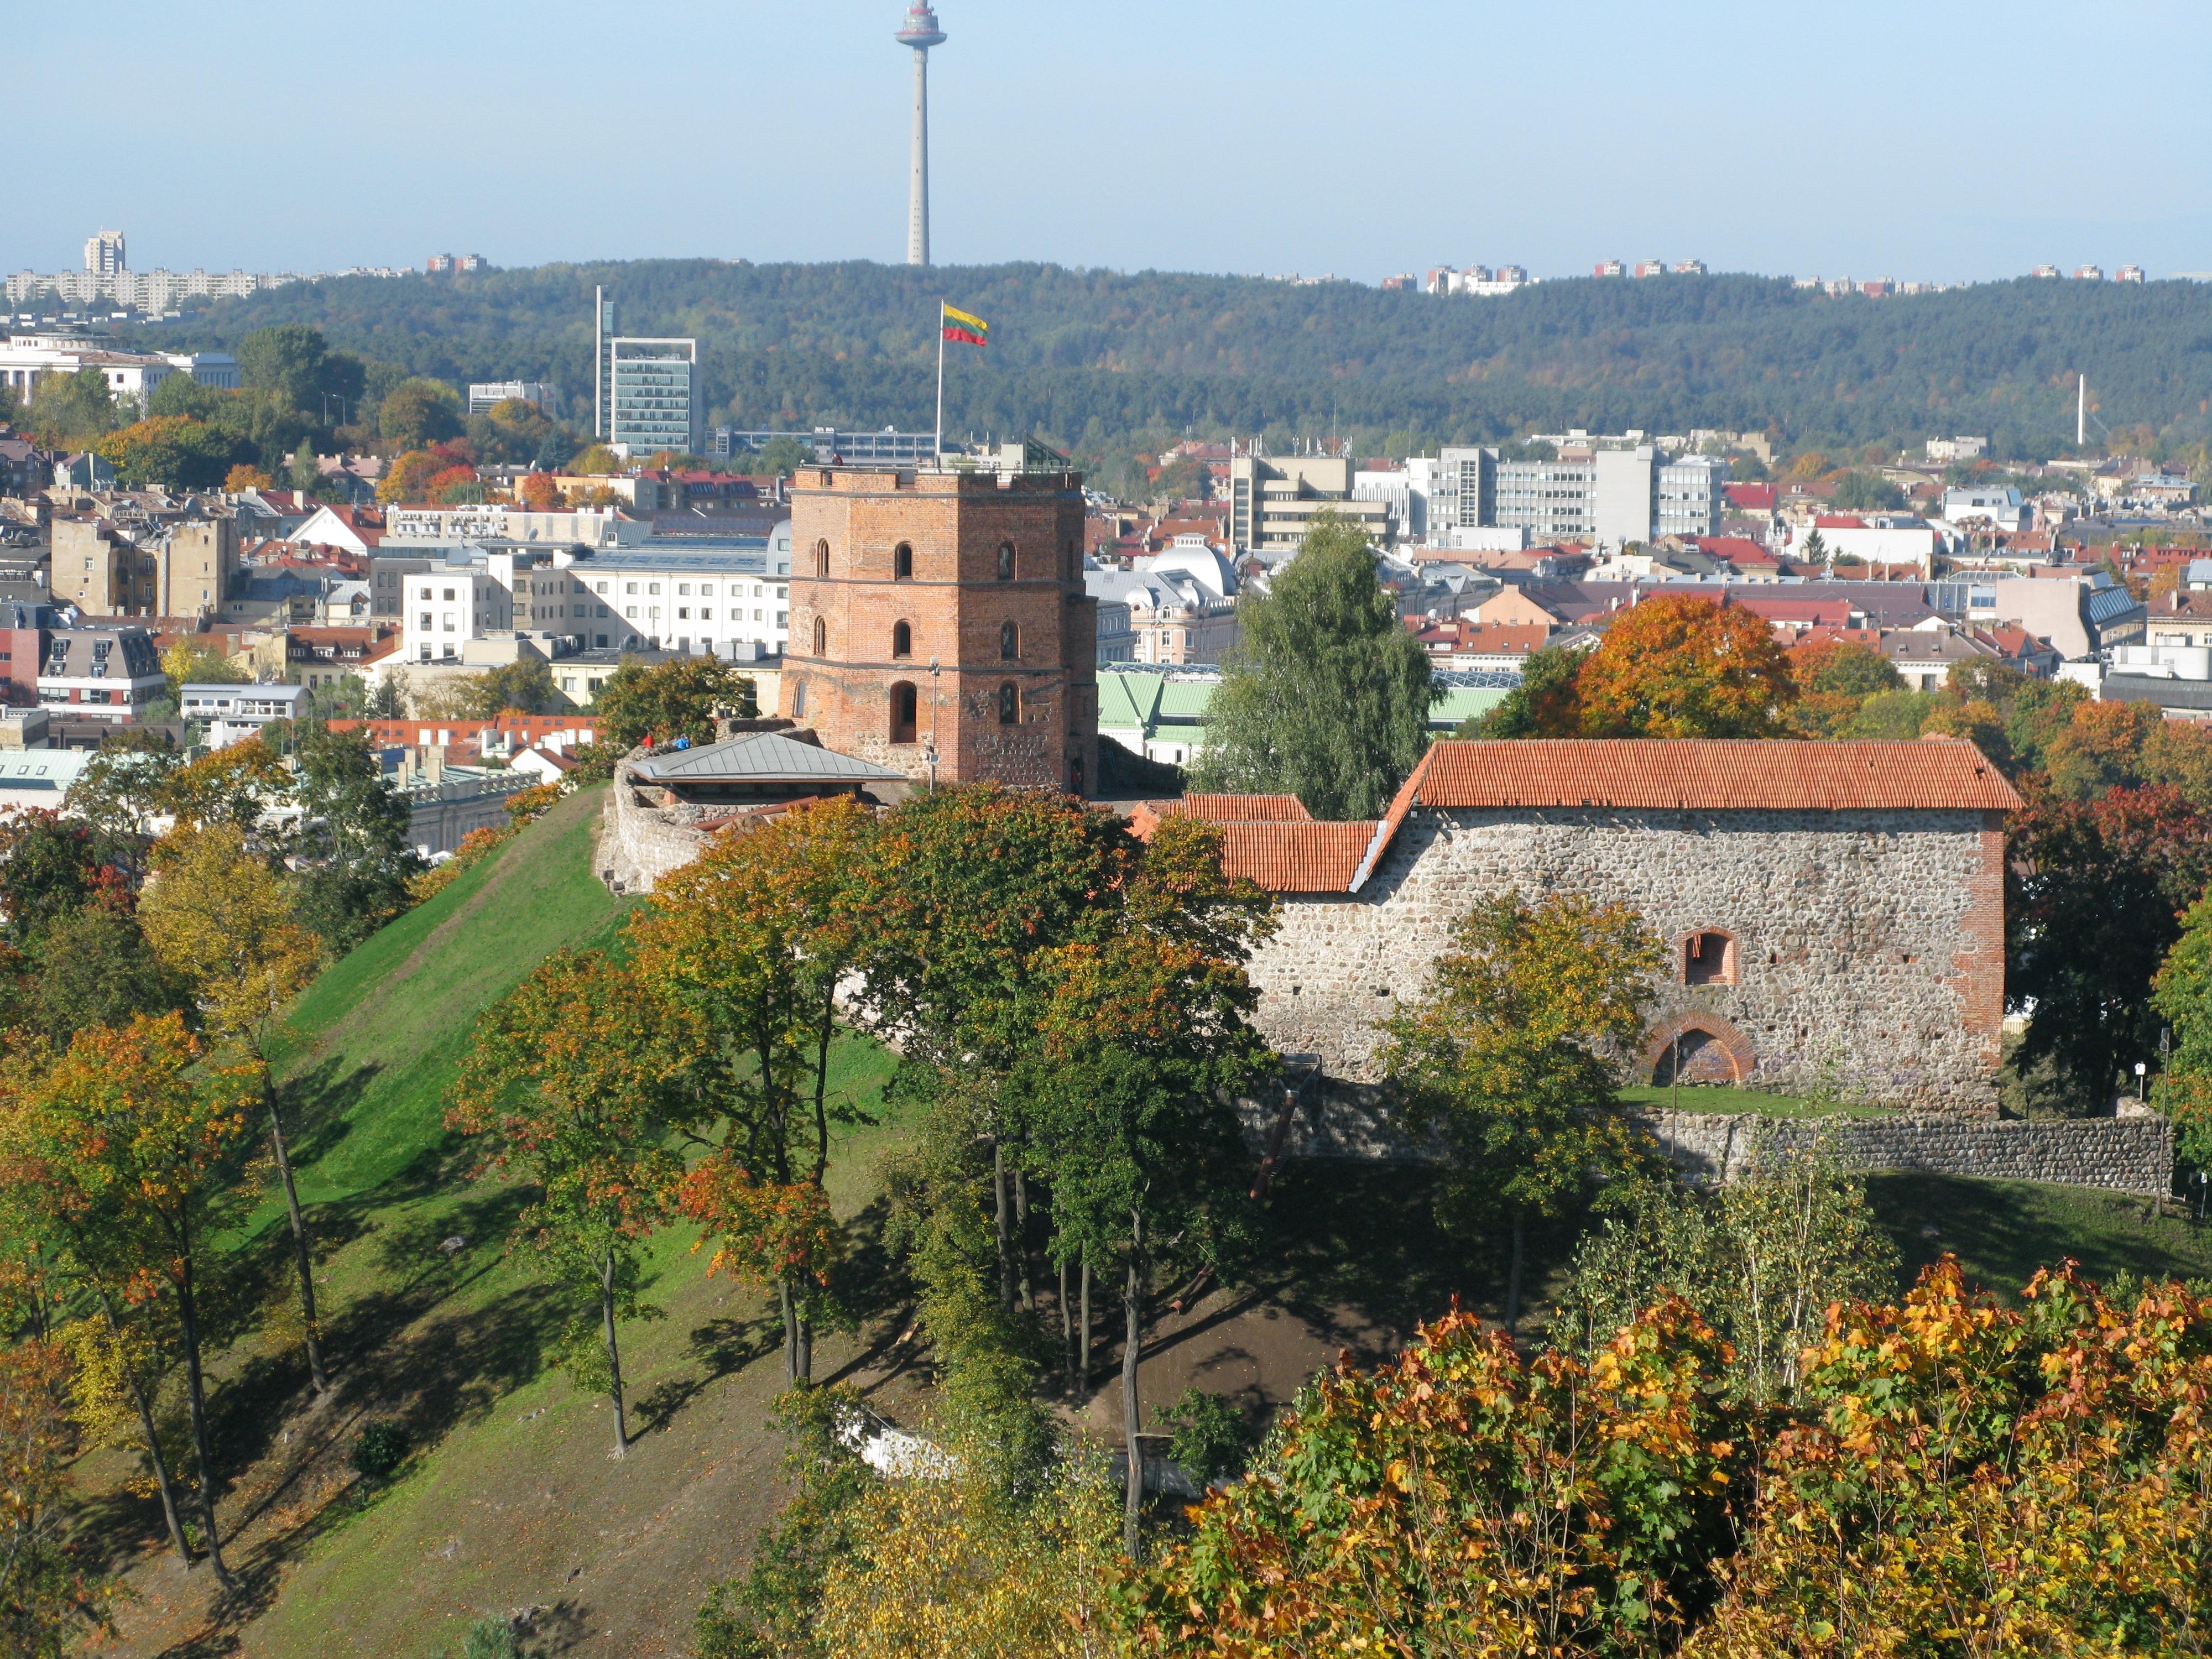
(1543, 705)
(1680, 666)
(94, 967)
(1327, 696)
(221, 922)
(49, 1596)
(1461, 1499)
(232, 787)
(573, 1080)
(134, 1141)
(2182, 996)
(1513, 1057)
(751, 939)
(419, 412)
(2095, 893)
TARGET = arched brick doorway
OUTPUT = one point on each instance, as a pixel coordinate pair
(1710, 1050)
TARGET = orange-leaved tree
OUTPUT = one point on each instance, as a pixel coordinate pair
(222, 922)
(574, 1080)
(48, 1595)
(1979, 1479)
(751, 940)
(1463, 1500)
(132, 1143)
(1680, 666)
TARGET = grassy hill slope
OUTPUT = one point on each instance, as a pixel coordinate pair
(1093, 357)
(511, 1500)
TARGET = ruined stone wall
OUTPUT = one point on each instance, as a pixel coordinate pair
(2122, 1155)
(640, 843)
(1867, 948)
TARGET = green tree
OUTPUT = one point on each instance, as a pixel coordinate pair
(1855, 670)
(48, 867)
(662, 702)
(73, 411)
(1326, 697)
(420, 412)
(1512, 1057)
(353, 838)
(95, 968)
(294, 363)
(574, 1079)
(1542, 706)
(1148, 1046)
(1865, 492)
(1760, 1260)
(780, 456)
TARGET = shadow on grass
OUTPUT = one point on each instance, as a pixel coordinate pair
(2002, 1231)
(1357, 1247)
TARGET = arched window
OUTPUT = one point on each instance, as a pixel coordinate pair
(799, 699)
(901, 639)
(822, 558)
(1009, 641)
(1708, 958)
(1006, 562)
(1009, 704)
(902, 712)
(821, 637)
(903, 563)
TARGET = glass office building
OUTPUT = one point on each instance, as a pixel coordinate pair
(652, 395)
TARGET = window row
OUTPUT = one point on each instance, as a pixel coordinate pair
(1010, 640)
(1007, 567)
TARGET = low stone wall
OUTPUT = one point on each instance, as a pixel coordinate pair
(639, 843)
(2132, 1154)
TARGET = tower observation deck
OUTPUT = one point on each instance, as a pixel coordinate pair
(919, 31)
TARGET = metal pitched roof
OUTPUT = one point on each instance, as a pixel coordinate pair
(761, 758)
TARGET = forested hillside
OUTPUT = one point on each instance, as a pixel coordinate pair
(1100, 359)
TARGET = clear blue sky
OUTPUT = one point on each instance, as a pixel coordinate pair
(1943, 139)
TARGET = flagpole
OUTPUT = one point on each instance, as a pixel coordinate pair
(940, 383)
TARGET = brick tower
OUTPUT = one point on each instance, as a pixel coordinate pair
(939, 622)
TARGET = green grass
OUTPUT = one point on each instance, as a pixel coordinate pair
(1712, 1097)
(2002, 1231)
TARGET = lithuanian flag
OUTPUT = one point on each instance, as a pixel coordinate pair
(964, 325)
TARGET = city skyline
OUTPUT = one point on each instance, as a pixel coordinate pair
(1751, 142)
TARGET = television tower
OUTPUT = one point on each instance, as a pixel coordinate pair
(921, 32)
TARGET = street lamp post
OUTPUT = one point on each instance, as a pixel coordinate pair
(929, 754)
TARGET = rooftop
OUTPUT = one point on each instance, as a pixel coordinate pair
(761, 758)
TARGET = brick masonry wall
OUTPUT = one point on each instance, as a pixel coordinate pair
(1867, 946)
(955, 606)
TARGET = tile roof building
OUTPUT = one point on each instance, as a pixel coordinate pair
(1832, 914)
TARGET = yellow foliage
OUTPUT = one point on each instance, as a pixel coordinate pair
(218, 916)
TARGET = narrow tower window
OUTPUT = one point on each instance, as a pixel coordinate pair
(1006, 562)
(822, 558)
(821, 637)
(901, 639)
(902, 712)
(1009, 704)
(1009, 641)
(903, 563)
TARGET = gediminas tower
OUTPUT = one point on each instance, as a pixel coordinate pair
(939, 624)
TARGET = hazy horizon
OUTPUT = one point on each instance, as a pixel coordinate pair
(1966, 144)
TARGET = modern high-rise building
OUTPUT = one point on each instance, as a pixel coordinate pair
(103, 253)
(1274, 501)
(1615, 490)
(602, 330)
(919, 31)
(652, 395)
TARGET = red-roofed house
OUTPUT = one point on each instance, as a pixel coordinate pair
(1830, 912)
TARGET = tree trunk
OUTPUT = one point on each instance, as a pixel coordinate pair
(1083, 1365)
(1022, 1237)
(790, 1332)
(803, 1365)
(303, 1256)
(822, 1083)
(1001, 1222)
(614, 1354)
(1513, 1276)
(1066, 1333)
(154, 1459)
(196, 1394)
(1132, 1489)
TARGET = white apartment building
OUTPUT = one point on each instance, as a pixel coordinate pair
(1616, 490)
(729, 600)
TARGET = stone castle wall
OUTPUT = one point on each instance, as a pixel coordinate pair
(1867, 946)
(639, 843)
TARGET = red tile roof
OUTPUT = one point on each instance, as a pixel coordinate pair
(1712, 775)
(1687, 775)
